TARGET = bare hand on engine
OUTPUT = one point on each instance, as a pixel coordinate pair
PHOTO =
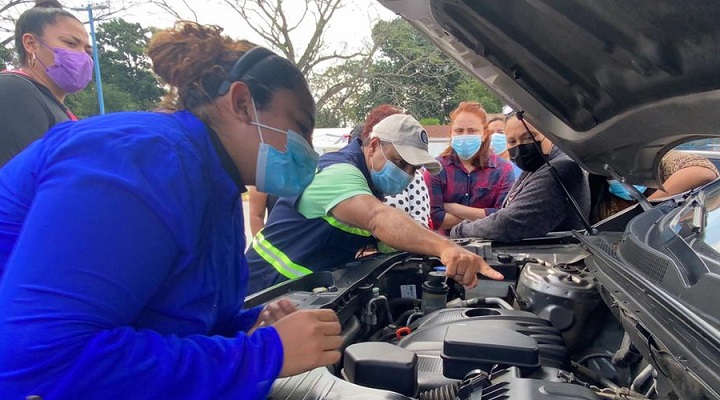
(463, 266)
(273, 312)
(276, 310)
(310, 339)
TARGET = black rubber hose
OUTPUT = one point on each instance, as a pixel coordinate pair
(447, 392)
(400, 321)
(589, 357)
(399, 303)
(351, 333)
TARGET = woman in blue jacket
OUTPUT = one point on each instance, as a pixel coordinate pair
(121, 237)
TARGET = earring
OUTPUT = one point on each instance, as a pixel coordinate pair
(33, 60)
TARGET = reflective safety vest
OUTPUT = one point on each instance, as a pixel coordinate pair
(291, 245)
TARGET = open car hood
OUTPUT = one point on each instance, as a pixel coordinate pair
(612, 82)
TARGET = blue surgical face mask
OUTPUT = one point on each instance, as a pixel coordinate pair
(285, 173)
(619, 190)
(390, 180)
(498, 144)
(466, 146)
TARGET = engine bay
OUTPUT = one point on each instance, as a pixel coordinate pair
(547, 331)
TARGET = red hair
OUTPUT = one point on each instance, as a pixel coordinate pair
(376, 115)
(479, 160)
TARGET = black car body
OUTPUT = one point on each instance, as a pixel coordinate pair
(626, 311)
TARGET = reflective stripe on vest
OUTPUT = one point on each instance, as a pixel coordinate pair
(346, 228)
(277, 258)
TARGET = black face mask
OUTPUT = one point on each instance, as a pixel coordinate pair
(527, 157)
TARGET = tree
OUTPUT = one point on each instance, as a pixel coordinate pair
(10, 10)
(297, 30)
(85, 103)
(470, 89)
(6, 57)
(128, 83)
(411, 72)
(123, 61)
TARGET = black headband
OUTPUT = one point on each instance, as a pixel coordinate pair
(243, 65)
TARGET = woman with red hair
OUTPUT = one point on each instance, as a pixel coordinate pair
(474, 181)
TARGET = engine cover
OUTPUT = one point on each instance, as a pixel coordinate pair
(447, 349)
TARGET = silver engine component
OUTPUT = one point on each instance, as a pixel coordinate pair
(565, 296)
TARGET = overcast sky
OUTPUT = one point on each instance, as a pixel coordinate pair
(350, 25)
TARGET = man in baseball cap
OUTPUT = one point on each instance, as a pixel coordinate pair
(409, 139)
(341, 212)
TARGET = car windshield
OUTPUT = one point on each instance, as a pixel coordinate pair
(699, 220)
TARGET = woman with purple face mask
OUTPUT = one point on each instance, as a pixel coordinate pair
(53, 52)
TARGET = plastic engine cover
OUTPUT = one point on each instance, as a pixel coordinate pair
(466, 348)
(381, 365)
(451, 342)
(509, 384)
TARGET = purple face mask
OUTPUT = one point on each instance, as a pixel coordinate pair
(72, 70)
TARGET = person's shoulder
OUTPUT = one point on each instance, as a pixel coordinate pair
(445, 160)
(14, 85)
(501, 163)
(562, 162)
(137, 137)
(341, 171)
(108, 126)
(447, 163)
(10, 79)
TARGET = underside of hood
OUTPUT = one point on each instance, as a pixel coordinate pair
(611, 82)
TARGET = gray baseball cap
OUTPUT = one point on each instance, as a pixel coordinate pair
(410, 140)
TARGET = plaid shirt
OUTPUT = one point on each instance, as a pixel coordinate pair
(483, 188)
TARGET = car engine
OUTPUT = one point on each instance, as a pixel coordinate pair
(544, 332)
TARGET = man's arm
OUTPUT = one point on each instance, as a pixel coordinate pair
(257, 203)
(398, 230)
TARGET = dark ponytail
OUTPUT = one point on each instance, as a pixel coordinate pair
(48, 4)
(196, 59)
(34, 20)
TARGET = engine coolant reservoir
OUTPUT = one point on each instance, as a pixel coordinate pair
(564, 295)
(434, 292)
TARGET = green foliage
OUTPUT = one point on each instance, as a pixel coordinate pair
(128, 83)
(470, 89)
(85, 103)
(412, 73)
(124, 63)
(429, 121)
(7, 56)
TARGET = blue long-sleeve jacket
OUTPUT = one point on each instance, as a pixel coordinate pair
(122, 272)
